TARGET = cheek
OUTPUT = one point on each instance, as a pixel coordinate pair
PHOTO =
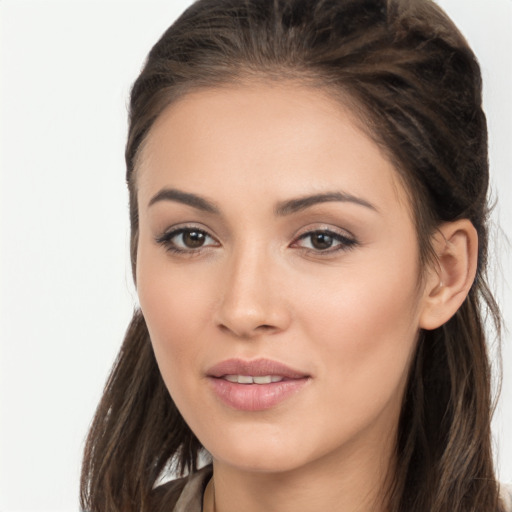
(366, 324)
(175, 306)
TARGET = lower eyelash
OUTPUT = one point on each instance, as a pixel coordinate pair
(165, 240)
(345, 242)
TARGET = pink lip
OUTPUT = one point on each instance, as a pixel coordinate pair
(255, 397)
(256, 367)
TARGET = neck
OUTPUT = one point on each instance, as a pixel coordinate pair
(358, 484)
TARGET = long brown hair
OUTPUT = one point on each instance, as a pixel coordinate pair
(415, 84)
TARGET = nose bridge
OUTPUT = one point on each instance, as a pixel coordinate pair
(250, 301)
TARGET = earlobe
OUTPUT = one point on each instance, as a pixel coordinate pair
(452, 275)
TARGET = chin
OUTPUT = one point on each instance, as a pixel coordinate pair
(261, 454)
(258, 463)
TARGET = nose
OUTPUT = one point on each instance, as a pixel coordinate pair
(253, 296)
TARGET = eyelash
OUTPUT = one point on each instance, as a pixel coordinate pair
(166, 240)
(345, 243)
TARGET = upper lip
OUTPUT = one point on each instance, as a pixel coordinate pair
(255, 368)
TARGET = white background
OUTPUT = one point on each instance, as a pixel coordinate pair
(65, 285)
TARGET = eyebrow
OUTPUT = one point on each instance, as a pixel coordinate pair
(198, 202)
(282, 209)
(301, 203)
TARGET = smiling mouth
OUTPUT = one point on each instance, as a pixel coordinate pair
(254, 370)
(255, 385)
(253, 379)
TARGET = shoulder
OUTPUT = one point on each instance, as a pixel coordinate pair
(182, 494)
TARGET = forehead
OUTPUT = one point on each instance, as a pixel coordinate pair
(270, 139)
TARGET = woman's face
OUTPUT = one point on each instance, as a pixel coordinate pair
(277, 270)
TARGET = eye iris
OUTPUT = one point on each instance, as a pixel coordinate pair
(193, 239)
(321, 241)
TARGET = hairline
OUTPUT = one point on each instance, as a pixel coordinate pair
(337, 93)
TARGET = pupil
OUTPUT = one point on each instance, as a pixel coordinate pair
(193, 239)
(321, 241)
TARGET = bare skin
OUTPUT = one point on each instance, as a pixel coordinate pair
(328, 287)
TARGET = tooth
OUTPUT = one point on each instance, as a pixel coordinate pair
(249, 379)
(264, 379)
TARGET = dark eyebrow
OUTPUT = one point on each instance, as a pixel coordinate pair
(301, 203)
(171, 194)
(283, 208)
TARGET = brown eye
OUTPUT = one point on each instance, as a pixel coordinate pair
(193, 239)
(324, 241)
(321, 241)
(186, 240)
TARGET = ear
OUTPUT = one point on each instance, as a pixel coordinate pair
(451, 275)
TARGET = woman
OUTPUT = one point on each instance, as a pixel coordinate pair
(308, 200)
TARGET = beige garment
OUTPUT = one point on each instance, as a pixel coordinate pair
(191, 497)
(506, 496)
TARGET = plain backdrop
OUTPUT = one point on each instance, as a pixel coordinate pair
(65, 286)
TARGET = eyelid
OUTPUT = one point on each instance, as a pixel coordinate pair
(323, 228)
(345, 239)
(166, 237)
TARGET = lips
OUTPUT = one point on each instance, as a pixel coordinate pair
(254, 385)
(257, 367)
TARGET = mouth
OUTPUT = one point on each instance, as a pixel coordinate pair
(255, 369)
(253, 379)
(255, 385)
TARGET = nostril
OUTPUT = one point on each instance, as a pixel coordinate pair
(247, 332)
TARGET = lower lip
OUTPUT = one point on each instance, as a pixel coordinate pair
(255, 397)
